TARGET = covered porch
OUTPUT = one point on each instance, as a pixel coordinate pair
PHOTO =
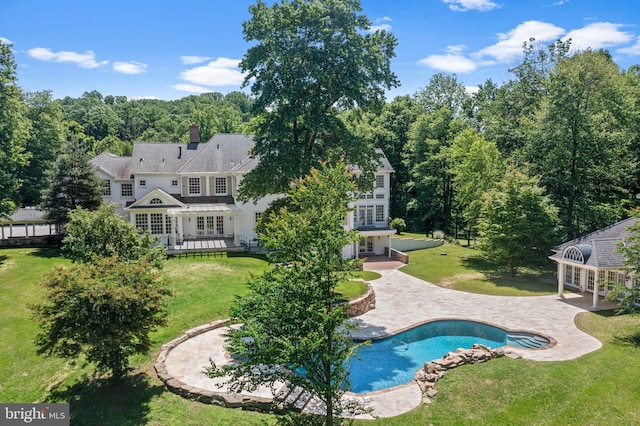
(204, 227)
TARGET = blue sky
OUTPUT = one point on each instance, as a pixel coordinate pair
(170, 49)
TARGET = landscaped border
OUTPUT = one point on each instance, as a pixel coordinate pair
(227, 399)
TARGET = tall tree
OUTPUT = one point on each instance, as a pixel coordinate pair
(72, 183)
(580, 142)
(45, 139)
(105, 310)
(293, 317)
(517, 221)
(14, 132)
(310, 60)
(476, 165)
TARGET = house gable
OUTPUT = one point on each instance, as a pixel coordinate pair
(157, 198)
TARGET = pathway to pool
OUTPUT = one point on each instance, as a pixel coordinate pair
(401, 302)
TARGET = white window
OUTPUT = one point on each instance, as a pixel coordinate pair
(141, 221)
(156, 223)
(379, 196)
(210, 225)
(174, 183)
(221, 186)
(365, 216)
(194, 186)
(591, 280)
(379, 181)
(155, 201)
(142, 183)
(106, 187)
(220, 225)
(126, 190)
(258, 217)
(200, 225)
(379, 213)
(568, 274)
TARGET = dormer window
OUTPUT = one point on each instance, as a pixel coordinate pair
(155, 201)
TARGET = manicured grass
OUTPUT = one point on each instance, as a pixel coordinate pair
(599, 388)
(466, 269)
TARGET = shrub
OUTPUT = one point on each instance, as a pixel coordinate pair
(399, 225)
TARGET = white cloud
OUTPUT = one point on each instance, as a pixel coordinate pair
(471, 90)
(132, 67)
(510, 45)
(631, 50)
(464, 5)
(453, 61)
(5, 40)
(221, 72)
(381, 24)
(598, 35)
(83, 60)
(191, 88)
(191, 60)
(384, 27)
(137, 98)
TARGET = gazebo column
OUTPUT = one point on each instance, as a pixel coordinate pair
(389, 238)
(561, 280)
(596, 291)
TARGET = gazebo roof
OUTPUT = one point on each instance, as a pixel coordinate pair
(600, 249)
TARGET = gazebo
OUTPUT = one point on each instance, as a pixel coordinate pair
(26, 222)
(593, 262)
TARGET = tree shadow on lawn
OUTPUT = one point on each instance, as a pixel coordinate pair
(101, 401)
(47, 252)
(3, 259)
(540, 281)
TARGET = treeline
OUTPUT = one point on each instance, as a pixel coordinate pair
(568, 121)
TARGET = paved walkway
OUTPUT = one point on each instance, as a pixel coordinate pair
(401, 302)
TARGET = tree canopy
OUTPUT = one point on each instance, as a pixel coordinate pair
(104, 233)
(311, 60)
(293, 322)
(105, 310)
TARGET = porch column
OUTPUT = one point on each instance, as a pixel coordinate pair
(389, 239)
(561, 280)
(172, 229)
(236, 229)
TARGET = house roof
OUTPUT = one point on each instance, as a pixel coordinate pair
(24, 215)
(221, 154)
(117, 167)
(600, 248)
(224, 153)
(161, 157)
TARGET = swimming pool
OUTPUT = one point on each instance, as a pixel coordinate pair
(394, 360)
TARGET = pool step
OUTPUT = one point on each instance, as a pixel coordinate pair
(527, 341)
(294, 397)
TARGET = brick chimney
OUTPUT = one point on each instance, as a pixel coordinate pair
(194, 134)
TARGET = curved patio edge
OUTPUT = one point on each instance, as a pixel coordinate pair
(228, 399)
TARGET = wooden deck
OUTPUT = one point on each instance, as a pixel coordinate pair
(208, 246)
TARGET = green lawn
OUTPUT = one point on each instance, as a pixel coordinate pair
(598, 388)
(465, 269)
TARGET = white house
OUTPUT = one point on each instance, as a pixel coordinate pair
(594, 261)
(186, 193)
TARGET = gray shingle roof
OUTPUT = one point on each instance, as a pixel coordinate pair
(604, 244)
(221, 154)
(118, 167)
(25, 215)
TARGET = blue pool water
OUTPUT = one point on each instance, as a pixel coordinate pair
(393, 361)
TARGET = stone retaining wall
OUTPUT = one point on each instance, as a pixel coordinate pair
(226, 399)
(434, 370)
